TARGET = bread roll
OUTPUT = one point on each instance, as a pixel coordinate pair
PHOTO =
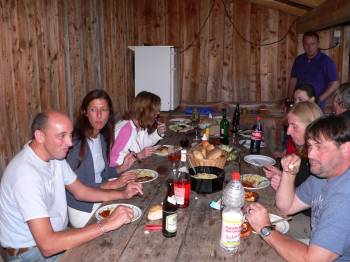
(155, 212)
(198, 155)
(210, 147)
(214, 154)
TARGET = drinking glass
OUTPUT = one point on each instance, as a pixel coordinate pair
(174, 156)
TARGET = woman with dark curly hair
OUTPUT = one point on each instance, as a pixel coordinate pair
(138, 132)
(92, 139)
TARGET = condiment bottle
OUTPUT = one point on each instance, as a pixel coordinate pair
(256, 137)
(169, 226)
(224, 124)
(232, 216)
(182, 185)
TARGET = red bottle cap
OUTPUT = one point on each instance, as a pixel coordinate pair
(235, 175)
(258, 118)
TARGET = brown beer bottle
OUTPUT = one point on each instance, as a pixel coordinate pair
(169, 226)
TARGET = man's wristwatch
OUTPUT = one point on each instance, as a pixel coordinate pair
(266, 231)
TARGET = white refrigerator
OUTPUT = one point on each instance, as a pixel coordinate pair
(156, 71)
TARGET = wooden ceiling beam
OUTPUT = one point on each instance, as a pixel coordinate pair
(280, 6)
(328, 14)
(308, 3)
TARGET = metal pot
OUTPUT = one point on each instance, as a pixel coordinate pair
(207, 185)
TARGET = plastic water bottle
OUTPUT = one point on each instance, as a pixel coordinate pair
(232, 219)
(232, 216)
(233, 194)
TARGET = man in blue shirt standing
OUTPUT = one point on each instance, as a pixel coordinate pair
(314, 68)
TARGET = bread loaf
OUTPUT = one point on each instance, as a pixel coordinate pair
(198, 155)
(210, 147)
(214, 154)
(155, 212)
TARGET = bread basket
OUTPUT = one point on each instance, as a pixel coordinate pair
(218, 162)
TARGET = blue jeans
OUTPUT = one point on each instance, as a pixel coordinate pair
(34, 255)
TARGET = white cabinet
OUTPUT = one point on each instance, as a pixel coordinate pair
(156, 71)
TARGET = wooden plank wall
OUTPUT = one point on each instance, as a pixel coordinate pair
(220, 66)
(54, 51)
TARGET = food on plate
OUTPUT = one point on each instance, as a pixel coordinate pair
(246, 229)
(215, 153)
(106, 212)
(251, 196)
(144, 175)
(204, 176)
(252, 181)
(155, 212)
(162, 150)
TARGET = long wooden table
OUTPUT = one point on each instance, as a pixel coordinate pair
(198, 230)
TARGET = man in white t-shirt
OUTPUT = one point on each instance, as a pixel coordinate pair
(33, 207)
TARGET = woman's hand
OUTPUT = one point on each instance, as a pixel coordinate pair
(274, 174)
(129, 160)
(161, 128)
(146, 152)
(123, 180)
(132, 189)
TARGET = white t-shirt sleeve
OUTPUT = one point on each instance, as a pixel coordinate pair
(29, 196)
(69, 175)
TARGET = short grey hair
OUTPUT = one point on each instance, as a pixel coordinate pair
(39, 123)
(342, 95)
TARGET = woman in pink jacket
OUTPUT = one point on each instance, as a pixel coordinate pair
(138, 132)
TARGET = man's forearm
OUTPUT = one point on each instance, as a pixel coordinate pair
(285, 192)
(50, 242)
(329, 91)
(287, 247)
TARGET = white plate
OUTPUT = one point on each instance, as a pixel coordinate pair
(282, 226)
(143, 171)
(136, 210)
(247, 144)
(165, 153)
(263, 181)
(259, 160)
(180, 120)
(182, 128)
(245, 133)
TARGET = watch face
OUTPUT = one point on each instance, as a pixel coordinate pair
(266, 231)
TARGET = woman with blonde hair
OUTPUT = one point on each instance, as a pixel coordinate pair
(138, 132)
(299, 117)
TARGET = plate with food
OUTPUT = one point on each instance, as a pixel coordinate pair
(251, 196)
(180, 120)
(163, 150)
(144, 175)
(105, 211)
(181, 128)
(253, 181)
(259, 160)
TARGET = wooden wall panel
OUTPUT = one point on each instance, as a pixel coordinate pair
(54, 52)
